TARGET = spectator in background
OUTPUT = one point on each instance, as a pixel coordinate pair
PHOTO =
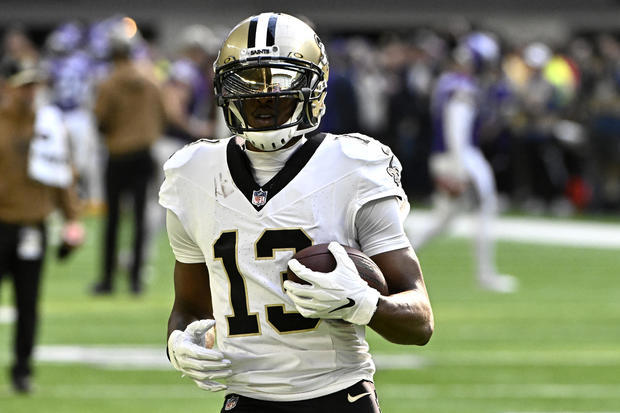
(342, 114)
(410, 71)
(188, 94)
(371, 86)
(604, 123)
(130, 113)
(497, 110)
(36, 178)
(540, 171)
(456, 162)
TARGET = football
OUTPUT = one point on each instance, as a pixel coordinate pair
(319, 258)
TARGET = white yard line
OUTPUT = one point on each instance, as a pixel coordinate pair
(7, 314)
(154, 358)
(530, 230)
(112, 357)
(183, 391)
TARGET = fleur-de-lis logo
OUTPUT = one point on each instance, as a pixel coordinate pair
(323, 57)
(394, 171)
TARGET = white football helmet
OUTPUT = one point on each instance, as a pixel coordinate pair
(278, 57)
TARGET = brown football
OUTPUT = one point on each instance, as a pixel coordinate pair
(319, 258)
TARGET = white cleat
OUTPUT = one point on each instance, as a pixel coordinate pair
(499, 283)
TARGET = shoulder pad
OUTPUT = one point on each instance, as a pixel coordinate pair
(362, 147)
(186, 154)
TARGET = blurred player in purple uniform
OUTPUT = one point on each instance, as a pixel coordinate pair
(71, 81)
(456, 162)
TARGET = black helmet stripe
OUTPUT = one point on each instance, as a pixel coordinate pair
(271, 30)
(262, 30)
(252, 32)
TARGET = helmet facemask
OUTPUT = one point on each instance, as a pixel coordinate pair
(268, 101)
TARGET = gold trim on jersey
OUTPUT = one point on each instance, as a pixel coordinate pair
(275, 250)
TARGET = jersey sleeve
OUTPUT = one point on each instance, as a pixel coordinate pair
(379, 227)
(378, 176)
(183, 246)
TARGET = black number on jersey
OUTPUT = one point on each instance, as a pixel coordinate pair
(268, 243)
(241, 322)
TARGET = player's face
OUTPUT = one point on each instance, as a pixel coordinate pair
(268, 111)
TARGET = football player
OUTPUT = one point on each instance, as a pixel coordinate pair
(239, 208)
(69, 70)
(456, 162)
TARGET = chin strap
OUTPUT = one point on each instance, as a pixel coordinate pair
(271, 140)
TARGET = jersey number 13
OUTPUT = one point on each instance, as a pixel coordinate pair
(242, 322)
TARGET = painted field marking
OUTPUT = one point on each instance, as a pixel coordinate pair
(530, 230)
(154, 358)
(7, 314)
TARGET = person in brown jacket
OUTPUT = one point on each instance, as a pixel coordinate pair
(25, 203)
(130, 114)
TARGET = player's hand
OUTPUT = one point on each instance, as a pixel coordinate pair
(73, 234)
(189, 354)
(339, 294)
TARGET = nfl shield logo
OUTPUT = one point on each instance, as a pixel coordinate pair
(231, 402)
(259, 197)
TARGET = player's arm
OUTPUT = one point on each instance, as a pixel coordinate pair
(192, 295)
(405, 316)
(191, 319)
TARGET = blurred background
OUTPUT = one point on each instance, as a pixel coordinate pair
(551, 133)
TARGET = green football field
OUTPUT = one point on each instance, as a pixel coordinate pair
(552, 347)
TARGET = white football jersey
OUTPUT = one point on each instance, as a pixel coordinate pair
(248, 233)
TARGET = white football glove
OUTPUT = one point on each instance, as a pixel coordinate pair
(340, 294)
(189, 355)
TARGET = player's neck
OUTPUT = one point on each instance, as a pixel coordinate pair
(265, 165)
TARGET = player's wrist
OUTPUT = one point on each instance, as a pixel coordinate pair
(366, 307)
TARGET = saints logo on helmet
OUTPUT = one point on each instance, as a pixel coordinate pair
(271, 79)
